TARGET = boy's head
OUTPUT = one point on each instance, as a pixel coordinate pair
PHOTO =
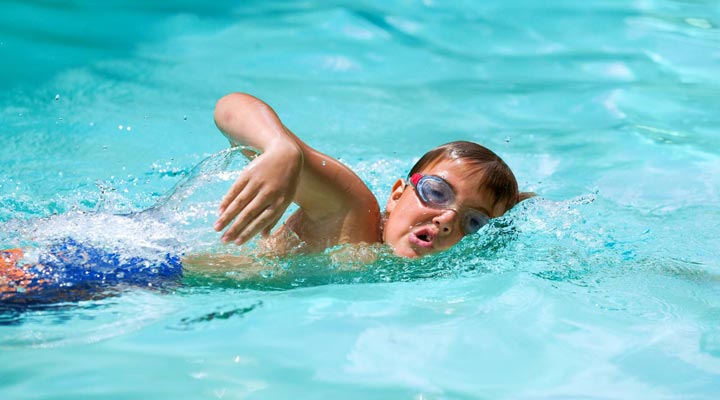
(451, 191)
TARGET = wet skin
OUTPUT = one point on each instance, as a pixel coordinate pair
(414, 229)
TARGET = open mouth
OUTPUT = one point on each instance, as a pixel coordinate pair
(422, 238)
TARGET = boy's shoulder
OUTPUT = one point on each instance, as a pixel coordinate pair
(358, 221)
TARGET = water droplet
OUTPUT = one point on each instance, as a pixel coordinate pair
(324, 163)
(57, 97)
(120, 127)
(129, 128)
(184, 117)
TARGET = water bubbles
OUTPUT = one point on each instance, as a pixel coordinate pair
(57, 97)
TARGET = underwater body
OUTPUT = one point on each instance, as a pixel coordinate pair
(605, 285)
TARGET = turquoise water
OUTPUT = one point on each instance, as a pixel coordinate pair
(607, 285)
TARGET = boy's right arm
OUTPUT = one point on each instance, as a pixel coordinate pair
(288, 170)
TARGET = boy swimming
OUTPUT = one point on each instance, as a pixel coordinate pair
(451, 192)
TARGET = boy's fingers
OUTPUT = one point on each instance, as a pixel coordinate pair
(244, 218)
(253, 228)
(232, 194)
(268, 229)
(232, 210)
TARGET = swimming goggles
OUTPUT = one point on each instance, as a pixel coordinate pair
(435, 192)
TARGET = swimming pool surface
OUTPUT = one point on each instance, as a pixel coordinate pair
(605, 286)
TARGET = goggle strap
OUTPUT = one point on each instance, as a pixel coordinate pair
(415, 178)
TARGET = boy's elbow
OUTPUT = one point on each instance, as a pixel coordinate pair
(223, 111)
(230, 106)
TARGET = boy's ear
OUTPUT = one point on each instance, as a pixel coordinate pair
(395, 193)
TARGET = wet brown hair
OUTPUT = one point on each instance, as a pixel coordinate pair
(491, 171)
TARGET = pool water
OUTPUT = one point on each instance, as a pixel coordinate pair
(605, 285)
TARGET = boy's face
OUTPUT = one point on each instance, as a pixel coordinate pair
(414, 229)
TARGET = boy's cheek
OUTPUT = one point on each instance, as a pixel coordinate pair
(452, 241)
(392, 239)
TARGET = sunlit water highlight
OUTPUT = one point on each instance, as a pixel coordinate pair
(606, 285)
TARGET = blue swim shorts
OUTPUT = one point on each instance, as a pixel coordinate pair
(69, 270)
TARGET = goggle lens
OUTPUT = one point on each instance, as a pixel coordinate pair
(436, 192)
(473, 221)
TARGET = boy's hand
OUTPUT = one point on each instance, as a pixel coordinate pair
(261, 194)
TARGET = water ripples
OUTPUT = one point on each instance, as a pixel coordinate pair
(609, 276)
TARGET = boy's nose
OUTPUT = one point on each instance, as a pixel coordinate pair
(445, 221)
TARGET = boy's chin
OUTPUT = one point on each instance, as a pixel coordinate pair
(405, 252)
